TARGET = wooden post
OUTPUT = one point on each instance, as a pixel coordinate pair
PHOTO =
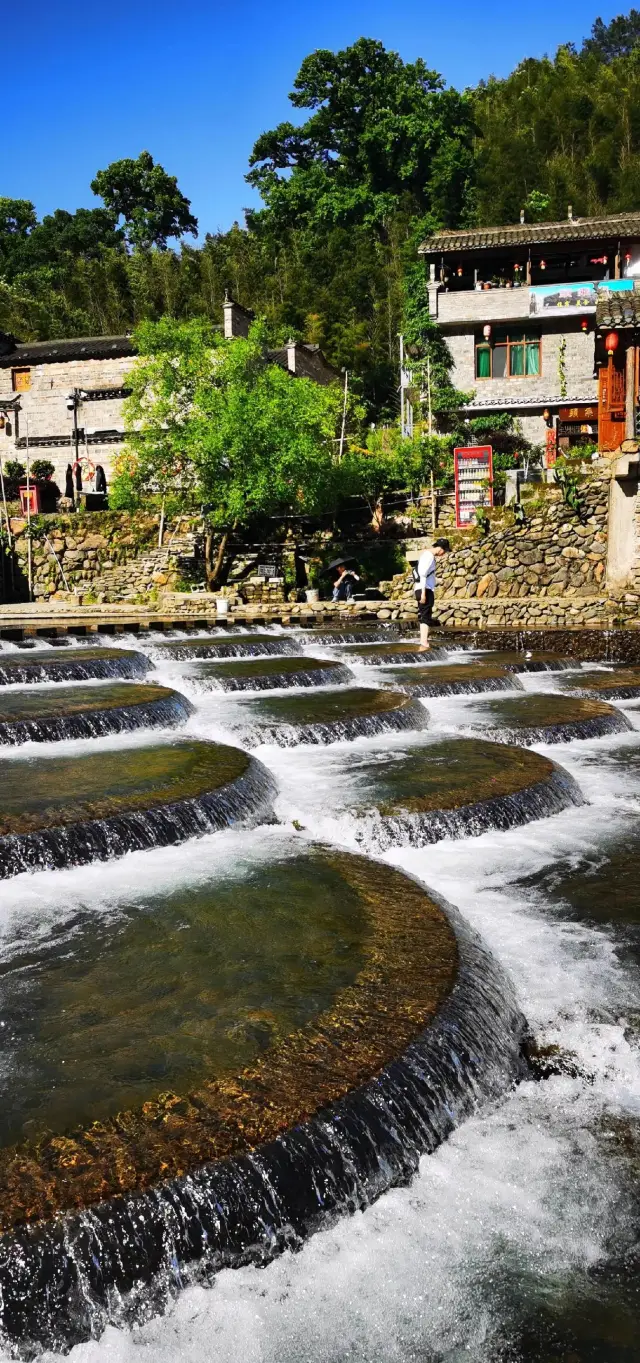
(630, 393)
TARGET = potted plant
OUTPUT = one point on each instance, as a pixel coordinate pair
(314, 574)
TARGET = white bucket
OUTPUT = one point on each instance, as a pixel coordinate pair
(222, 606)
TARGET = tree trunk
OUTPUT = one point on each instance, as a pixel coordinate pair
(378, 516)
(212, 572)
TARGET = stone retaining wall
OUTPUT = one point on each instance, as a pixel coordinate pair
(103, 556)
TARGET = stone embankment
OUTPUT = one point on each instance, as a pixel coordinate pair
(106, 556)
(549, 572)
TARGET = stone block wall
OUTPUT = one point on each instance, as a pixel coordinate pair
(549, 572)
(102, 556)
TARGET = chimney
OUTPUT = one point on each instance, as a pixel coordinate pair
(291, 355)
(237, 319)
(570, 212)
(522, 215)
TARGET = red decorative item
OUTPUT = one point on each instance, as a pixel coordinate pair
(473, 468)
(551, 447)
(585, 324)
(611, 342)
(29, 499)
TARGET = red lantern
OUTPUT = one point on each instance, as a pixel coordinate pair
(611, 342)
(585, 324)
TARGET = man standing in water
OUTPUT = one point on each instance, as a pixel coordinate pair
(424, 577)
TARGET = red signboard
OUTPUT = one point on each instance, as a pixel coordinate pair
(474, 482)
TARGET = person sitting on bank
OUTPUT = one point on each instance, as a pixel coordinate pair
(344, 585)
(424, 577)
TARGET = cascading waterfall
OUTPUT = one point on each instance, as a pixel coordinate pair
(241, 646)
(301, 673)
(409, 828)
(94, 714)
(62, 1282)
(104, 829)
(467, 682)
(83, 665)
(382, 719)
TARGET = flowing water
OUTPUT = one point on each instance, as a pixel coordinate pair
(516, 1238)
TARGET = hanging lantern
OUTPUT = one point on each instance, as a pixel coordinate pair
(517, 268)
(543, 264)
(611, 342)
(2, 421)
(460, 270)
(585, 323)
(486, 332)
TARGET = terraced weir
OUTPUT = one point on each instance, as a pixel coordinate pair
(69, 811)
(268, 674)
(620, 683)
(547, 718)
(236, 646)
(238, 1005)
(336, 1022)
(327, 717)
(81, 664)
(386, 655)
(452, 679)
(45, 714)
(525, 661)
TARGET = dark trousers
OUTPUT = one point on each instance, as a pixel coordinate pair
(425, 608)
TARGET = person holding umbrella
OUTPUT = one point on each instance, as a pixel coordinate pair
(344, 583)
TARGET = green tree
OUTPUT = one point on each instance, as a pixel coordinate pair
(148, 199)
(616, 39)
(216, 424)
(382, 133)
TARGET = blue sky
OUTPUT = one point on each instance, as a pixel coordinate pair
(195, 83)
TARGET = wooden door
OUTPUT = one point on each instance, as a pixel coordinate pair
(611, 415)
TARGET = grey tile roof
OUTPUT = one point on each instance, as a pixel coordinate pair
(531, 404)
(58, 352)
(616, 310)
(615, 225)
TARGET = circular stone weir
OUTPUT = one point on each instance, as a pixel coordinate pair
(44, 714)
(453, 788)
(620, 684)
(332, 1017)
(240, 646)
(547, 718)
(385, 655)
(72, 810)
(82, 664)
(364, 634)
(452, 679)
(514, 661)
(328, 717)
(267, 674)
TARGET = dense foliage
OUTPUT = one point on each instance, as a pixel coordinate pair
(381, 153)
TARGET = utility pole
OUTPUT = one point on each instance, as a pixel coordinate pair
(401, 340)
(344, 415)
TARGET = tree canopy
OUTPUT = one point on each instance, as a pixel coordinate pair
(377, 153)
(148, 199)
(217, 423)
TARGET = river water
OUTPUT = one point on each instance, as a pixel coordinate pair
(518, 1238)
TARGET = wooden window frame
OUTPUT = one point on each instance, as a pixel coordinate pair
(508, 345)
(21, 369)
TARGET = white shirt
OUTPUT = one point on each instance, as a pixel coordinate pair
(426, 572)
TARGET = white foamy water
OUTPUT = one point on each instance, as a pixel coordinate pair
(525, 1199)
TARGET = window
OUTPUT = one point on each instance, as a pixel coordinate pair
(508, 355)
(21, 380)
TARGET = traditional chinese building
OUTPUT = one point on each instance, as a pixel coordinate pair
(543, 321)
(62, 400)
